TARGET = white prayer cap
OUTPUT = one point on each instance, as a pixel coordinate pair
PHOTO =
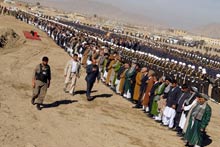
(189, 65)
(167, 59)
(184, 64)
(163, 59)
(218, 75)
(193, 67)
(200, 67)
(203, 72)
(145, 53)
(172, 60)
(84, 43)
(175, 62)
(180, 63)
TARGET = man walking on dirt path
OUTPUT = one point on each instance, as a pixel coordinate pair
(40, 82)
(71, 73)
(92, 71)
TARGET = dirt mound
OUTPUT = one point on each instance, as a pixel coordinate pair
(8, 38)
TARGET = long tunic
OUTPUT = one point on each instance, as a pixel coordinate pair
(193, 133)
(110, 69)
(116, 69)
(128, 77)
(147, 97)
(137, 86)
(158, 92)
(122, 81)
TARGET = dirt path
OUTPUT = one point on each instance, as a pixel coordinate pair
(70, 121)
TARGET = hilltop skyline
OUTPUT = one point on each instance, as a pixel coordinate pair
(187, 15)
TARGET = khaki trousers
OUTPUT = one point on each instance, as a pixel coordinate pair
(70, 83)
(39, 92)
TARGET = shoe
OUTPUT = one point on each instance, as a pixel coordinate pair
(38, 107)
(90, 98)
(137, 107)
(32, 101)
(66, 91)
(134, 102)
(187, 144)
(164, 125)
(183, 138)
(175, 129)
(150, 115)
(180, 134)
(170, 128)
(158, 121)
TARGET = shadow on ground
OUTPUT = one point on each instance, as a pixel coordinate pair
(83, 92)
(102, 96)
(58, 103)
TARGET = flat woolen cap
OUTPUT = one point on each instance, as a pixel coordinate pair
(202, 95)
(194, 89)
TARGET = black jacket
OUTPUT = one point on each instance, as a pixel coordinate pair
(92, 75)
(143, 83)
(173, 96)
(181, 100)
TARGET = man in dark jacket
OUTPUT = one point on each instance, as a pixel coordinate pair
(185, 95)
(170, 110)
(92, 71)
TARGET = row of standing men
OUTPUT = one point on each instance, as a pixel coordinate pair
(81, 43)
(181, 108)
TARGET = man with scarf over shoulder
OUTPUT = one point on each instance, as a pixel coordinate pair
(198, 121)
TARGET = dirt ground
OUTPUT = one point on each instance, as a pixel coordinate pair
(70, 121)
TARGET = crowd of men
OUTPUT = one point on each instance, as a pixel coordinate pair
(157, 79)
